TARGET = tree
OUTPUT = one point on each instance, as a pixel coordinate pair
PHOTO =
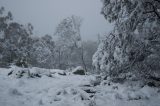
(133, 44)
(18, 47)
(14, 40)
(42, 52)
(68, 40)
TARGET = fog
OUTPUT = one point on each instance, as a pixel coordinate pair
(46, 14)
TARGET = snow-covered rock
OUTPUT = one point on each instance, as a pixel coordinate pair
(79, 70)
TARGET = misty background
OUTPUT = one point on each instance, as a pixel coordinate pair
(46, 14)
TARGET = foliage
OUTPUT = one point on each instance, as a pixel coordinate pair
(133, 46)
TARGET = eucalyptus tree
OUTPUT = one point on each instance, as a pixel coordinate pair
(134, 44)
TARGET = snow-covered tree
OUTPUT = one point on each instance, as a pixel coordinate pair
(42, 52)
(14, 37)
(4, 20)
(68, 40)
(133, 45)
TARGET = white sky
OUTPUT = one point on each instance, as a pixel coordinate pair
(46, 14)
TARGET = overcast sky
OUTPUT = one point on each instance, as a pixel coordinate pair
(46, 14)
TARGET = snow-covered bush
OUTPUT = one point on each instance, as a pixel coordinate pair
(18, 72)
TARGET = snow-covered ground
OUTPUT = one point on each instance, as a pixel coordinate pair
(70, 90)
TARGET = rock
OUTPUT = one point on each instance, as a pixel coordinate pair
(151, 84)
(64, 74)
(57, 99)
(87, 85)
(115, 87)
(79, 71)
(15, 92)
(118, 80)
(96, 81)
(10, 72)
(89, 91)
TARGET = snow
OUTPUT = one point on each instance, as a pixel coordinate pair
(78, 68)
(70, 90)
